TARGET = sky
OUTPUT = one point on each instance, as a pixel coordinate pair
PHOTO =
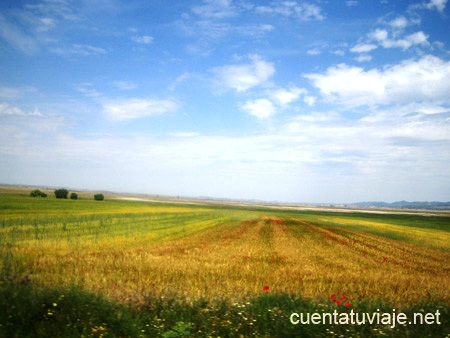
(316, 101)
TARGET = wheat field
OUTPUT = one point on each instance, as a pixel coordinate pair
(129, 251)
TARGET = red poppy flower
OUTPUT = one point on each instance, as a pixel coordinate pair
(348, 304)
(266, 288)
(333, 297)
(344, 298)
(338, 302)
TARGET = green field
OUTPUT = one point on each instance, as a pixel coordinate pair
(119, 268)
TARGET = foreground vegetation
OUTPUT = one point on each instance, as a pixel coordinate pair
(121, 268)
(31, 311)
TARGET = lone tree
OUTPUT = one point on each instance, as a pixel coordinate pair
(61, 193)
(99, 197)
(74, 196)
(38, 193)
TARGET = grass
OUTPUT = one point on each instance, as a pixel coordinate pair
(161, 269)
(32, 311)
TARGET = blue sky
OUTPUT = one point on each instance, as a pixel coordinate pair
(299, 101)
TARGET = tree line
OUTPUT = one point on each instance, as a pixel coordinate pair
(64, 193)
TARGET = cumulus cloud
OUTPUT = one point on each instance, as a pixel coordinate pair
(260, 108)
(382, 37)
(391, 35)
(438, 5)
(399, 23)
(276, 100)
(363, 48)
(242, 77)
(363, 58)
(135, 108)
(309, 100)
(285, 96)
(409, 81)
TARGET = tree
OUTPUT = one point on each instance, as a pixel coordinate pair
(38, 193)
(61, 193)
(99, 197)
(74, 196)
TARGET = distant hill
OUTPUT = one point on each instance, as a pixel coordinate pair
(404, 205)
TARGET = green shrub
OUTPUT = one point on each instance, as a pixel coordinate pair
(38, 193)
(61, 193)
(74, 196)
(99, 197)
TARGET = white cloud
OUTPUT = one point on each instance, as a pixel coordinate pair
(7, 109)
(21, 129)
(363, 58)
(379, 35)
(125, 85)
(313, 52)
(87, 50)
(185, 134)
(418, 38)
(427, 79)
(349, 85)
(277, 100)
(88, 90)
(297, 123)
(242, 77)
(180, 79)
(333, 158)
(215, 9)
(16, 36)
(363, 48)
(143, 39)
(212, 20)
(284, 96)
(10, 93)
(260, 108)
(382, 37)
(399, 23)
(56, 10)
(299, 10)
(309, 100)
(127, 109)
(338, 52)
(46, 24)
(438, 5)
(79, 49)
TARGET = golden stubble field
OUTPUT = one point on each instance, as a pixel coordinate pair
(129, 252)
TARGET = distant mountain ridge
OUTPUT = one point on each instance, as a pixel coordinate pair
(404, 205)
